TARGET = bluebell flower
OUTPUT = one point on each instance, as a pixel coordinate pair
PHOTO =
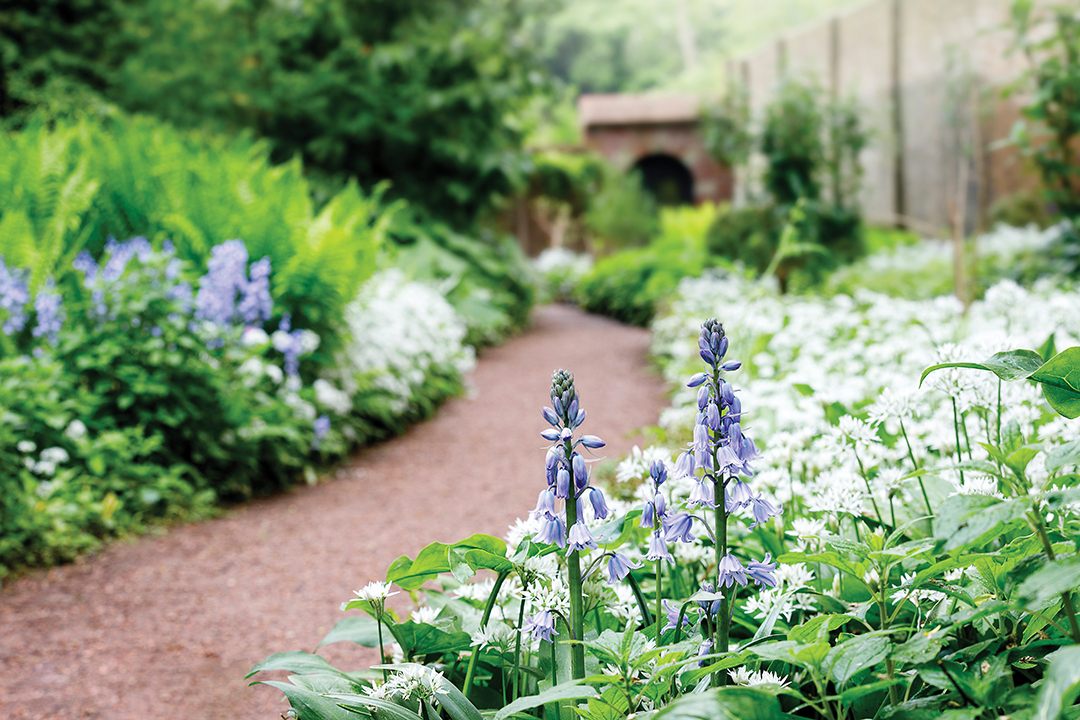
(619, 567)
(580, 538)
(226, 293)
(541, 626)
(551, 435)
(581, 473)
(705, 648)
(545, 503)
(562, 484)
(762, 510)
(49, 307)
(710, 607)
(550, 416)
(672, 611)
(658, 549)
(702, 494)
(14, 296)
(321, 427)
(599, 503)
(684, 465)
(731, 571)
(84, 262)
(697, 380)
(762, 572)
(658, 472)
(737, 494)
(592, 442)
(680, 528)
(552, 531)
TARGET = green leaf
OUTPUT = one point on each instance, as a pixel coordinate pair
(434, 559)
(854, 693)
(299, 662)
(858, 653)
(1061, 684)
(361, 629)
(455, 703)
(311, 706)
(1018, 461)
(1011, 365)
(804, 389)
(565, 691)
(818, 628)
(1061, 455)
(423, 639)
(1053, 579)
(1060, 378)
(731, 703)
(1048, 349)
(973, 520)
(922, 646)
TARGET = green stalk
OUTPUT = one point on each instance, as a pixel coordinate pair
(915, 464)
(488, 607)
(659, 587)
(382, 653)
(1066, 597)
(639, 597)
(999, 414)
(956, 430)
(869, 492)
(573, 561)
(724, 621)
(517, 648)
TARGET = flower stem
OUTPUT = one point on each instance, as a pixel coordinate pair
(488, 607)
(915, 464)
(517, 646)
(873, 501)
(659, 588)
(724, 621)
(382, 652)
(573, 561)
(1066, 597)
(956, 429)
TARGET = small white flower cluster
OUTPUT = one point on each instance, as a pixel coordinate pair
(47, 461)
(410, 682)
(743, 676)
(400, 331)
(562, 269)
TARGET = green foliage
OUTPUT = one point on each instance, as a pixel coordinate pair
(623, 213)
(726, 128)
(423, 95)
(71, 185)
(828, 235)
(792, 143)
(1020, 209)
(630, 284)
(1051, 40)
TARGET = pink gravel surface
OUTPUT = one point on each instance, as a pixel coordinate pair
(167, 626)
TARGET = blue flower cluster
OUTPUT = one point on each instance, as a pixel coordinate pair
(724, 453)
(107, 282)
(13, 298)
(227, 294)
(566, 470)
(666, 527)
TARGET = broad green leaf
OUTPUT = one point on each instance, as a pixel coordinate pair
(298, 662)
(730, 703)
(324, 683)
(1059, 456)
(973, 520)
(1060, 378)
(817, 629)
(565, 691)
(854, 693)
(1011, 365)
(1048, 348)
(361, 629)
(434, 559)
(312, 706)
(1042, 586)
(1061, 684)
(922, 646)
(854, 655)
(423, 639)
(1018, 460)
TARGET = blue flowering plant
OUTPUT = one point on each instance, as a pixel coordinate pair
(593, 599)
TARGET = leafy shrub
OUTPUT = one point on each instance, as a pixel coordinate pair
(629, 285)
(751, 236)
(623, 213)
(70, 186)
(792, 143)
(1020, 209)
(562, 271)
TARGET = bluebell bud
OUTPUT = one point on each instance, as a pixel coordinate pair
(592, 442)
(550, 416)
(581, 473)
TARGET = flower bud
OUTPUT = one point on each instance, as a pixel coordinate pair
(581, 473)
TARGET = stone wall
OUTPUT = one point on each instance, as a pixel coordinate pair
(929, 75)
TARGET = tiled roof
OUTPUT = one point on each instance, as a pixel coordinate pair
(626, 109)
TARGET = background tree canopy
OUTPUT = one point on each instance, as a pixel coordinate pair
(424, 94)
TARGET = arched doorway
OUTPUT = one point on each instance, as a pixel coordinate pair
(669, 181)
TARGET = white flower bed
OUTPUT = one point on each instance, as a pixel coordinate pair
(401, 331)
(865, 354)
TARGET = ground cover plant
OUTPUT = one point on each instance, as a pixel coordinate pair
(903, 543)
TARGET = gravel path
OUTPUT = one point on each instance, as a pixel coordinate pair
(167, 626)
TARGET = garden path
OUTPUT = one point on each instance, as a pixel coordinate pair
(167, 626)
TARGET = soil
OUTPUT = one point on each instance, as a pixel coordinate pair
(167, 626)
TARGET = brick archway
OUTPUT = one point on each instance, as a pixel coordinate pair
(629, 129)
